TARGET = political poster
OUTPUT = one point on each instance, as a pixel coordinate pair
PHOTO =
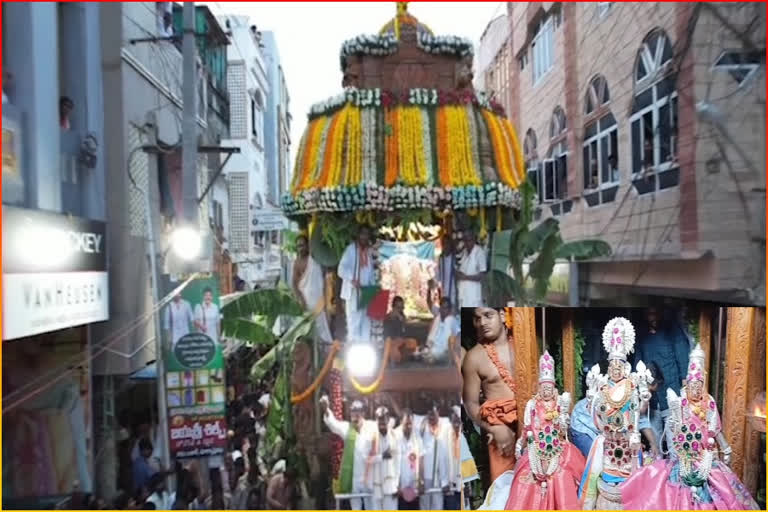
(195, 378)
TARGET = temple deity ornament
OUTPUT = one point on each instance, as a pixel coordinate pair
(694, 477)
(615, 400)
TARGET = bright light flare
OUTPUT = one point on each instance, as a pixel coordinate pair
(186, 243)
(361, 360)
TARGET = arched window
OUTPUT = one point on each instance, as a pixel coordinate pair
(557, 125)
(654, 117)
(597, 95)
(555, 166)
(532, 164)
(600, 148)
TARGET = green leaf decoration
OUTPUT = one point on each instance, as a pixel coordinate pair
(584, 250)
(267, 303)
(252, 332)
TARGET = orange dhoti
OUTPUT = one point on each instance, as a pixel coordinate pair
(403, 348)
(499, 412)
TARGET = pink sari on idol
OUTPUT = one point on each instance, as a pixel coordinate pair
(547, 475)
(694, 478)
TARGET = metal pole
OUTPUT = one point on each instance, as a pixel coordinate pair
(162, 406)
(189, 124)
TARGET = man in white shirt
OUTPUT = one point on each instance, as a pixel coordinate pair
(434, 437)
(443, 327)
(411, 463)
(353, 433)
(382, 471)
(178, 318)
(208, 317)
(356, 271)
(471, 272)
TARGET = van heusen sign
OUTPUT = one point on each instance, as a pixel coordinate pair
(54, 272)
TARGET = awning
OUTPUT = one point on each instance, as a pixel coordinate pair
(149, 372)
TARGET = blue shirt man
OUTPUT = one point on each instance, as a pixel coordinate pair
(583, 429)
(668, 347)
(142, 470)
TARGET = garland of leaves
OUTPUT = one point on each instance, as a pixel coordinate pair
(578, 351)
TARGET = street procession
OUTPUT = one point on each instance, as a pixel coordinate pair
(383, 256)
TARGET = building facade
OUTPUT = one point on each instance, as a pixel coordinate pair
(278, 142)
(493, 61)
(247, 172)
(55, 245)
(142, 68)
(644, 125)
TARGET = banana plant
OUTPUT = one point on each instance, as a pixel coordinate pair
(542, 246)
(251, 318)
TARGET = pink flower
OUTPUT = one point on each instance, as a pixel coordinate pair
(693, 366)
(615, 330)
(618, 340)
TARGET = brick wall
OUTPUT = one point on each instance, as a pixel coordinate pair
(706, 211)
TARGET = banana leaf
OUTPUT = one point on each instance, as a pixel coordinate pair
(584, 250)
(283, 347)
(326, 255)
(267, 303)
(252, 332)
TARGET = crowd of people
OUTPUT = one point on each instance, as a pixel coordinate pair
(400, 460)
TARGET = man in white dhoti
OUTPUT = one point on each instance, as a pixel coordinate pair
(356, 271)
(452, 500)
(353, 463)
(382, 469)
(208, 317)
(308, 284)
(434, 432)
(178, 318)
(411, 452)
(471, 272)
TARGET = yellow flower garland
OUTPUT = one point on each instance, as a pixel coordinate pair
(373, 386)
(316, 129)
(354, 148)
(295, 399)
(517, 153)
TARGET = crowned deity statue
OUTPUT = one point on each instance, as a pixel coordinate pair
(614, 402)
(697, 475)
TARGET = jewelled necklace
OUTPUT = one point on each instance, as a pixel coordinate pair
(493, 355)
(618, 404)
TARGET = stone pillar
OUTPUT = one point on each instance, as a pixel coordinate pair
(569, 370)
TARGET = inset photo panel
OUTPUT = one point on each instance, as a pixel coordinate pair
(653, 408)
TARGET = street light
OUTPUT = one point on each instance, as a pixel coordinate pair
(186, 242)
(361, 360)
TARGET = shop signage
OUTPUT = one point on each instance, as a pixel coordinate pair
(195, 382)
(269, 220)
(54, 272)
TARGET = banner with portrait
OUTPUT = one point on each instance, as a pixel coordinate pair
(195, 379)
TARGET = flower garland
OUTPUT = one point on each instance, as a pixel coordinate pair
(381, 198)
(445, 45)
(381, 45)
(378, 98)
(300, 397)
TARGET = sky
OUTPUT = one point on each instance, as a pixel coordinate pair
(310, 34)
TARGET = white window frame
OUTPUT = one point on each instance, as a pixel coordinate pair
(603, 8)
(655, 108)
(654, 67)
(751, 69)
(558, 151)
(597, 139)
(542, 49)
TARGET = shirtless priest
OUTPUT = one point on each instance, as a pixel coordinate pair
(488, 367)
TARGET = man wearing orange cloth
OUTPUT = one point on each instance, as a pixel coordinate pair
(487, 367)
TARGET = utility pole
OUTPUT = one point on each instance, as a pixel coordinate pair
(189, 124)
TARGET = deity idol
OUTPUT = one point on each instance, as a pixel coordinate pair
(547, 476)
(694, 478)
(615, 401)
